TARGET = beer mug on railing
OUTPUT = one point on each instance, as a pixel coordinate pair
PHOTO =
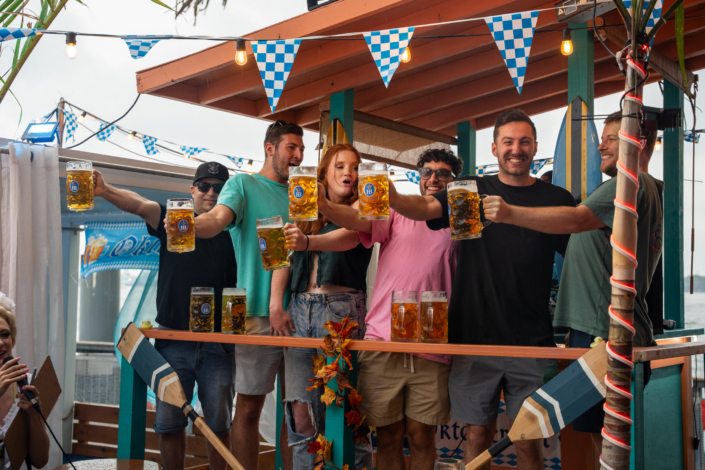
(464, 210)
(180, 231)
(202, 309)
(405, 316)
(79, 185)
(373, 191)
(233, 317)
(272, 243)
(434, 317)
(303, 194)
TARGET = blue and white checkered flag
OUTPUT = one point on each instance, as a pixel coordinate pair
(536, 165)
(413, 177)
(237, 161)
(688, 137)
(387, 47)
(655, 15)
(481, 170)
(139, 47)
(513, 34)
(274, 60)
(105, 132)
(8, 34)
(190, 152)
(71, 124)
(149, 145)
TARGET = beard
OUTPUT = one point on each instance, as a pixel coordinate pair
(281, 168)
(507, 168)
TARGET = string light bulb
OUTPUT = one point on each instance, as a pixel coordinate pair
(249, 165)
(241, 52)
(406, 56)
(82, 116)
(131, 135)
(658, 144)
(392, 176)
(71, 48)
(566, 42)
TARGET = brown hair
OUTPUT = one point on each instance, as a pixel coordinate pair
(275, 132)
(10, 319)
(649, 136)
(513, 115)
(312, 228)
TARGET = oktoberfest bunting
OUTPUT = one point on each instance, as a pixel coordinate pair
(190, 152)
(513, 35)
(237, 161)
(139, 47)
(274, 60)
(8, 34)
(387, 47)
(655, 14)
(149, 145)
(688, 137)
(71, 124)
(105, 133)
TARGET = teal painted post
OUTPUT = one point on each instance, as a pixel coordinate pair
(278, 462)
(342, 107)
(673, 268)
(636, 460)
(336, 429)
(133, 414)
(467, 147)
(581, 65)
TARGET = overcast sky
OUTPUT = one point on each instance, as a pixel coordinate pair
(102, 80)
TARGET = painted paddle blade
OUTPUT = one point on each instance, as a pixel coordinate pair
(335, 135)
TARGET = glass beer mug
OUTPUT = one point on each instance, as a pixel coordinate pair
(434, 317)
(405, 316)
(180, 231)
(272, 243)
(464, 210)
(202, 309)
(373, 191)
(79, 185)
(233, 318)
(303, 193)
(448, 464)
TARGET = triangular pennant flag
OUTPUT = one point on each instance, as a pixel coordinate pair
(149, 145)
(513, 34)
(536, 165)
(655, 15)
(413, 177)
(8, 34)
(71, 124)
(387, 47)
(688, 137)
(191, 151)
(139, 47)
(237, 161)
(105, 132)
(274, 60)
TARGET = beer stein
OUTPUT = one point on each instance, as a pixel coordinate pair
(373, 191)
(303, 194)
(180, 231)
(202, 309)
(79, 185)
(272, 243)
(405, 316)
(434, 317)
(464, 210)
(233, 318)
(448, 464)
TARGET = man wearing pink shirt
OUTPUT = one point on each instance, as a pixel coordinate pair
(402, 394)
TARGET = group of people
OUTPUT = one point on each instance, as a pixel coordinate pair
(498, 285)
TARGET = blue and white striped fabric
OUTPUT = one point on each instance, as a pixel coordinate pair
(105, 133)
(536, 165)
(274, 60)
(655, 15)
(190, 152)
(139, 47)
(149, 145)
(688, 137)
(413, 177)
(8, 34)
(513, 35)
(387, 47)
(71, 124)
(237, 161)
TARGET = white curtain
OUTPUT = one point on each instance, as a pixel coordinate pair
(30, 255)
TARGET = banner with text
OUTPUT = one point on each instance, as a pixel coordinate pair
(119, 245)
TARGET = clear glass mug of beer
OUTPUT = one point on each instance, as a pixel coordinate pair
(233, 318)
(202, 309)
(180, 232)
(272, 243)
(448, 464)
(373, 191)
(405, 316)
(303, 193)
(464, 210)
(79, 185)
(434, 317)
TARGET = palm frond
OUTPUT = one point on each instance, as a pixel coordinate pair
(182, 6)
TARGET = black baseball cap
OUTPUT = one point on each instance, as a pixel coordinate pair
(211, 170)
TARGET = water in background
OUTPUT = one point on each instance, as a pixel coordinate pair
(695, 318)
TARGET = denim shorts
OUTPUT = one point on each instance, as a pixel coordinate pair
(209, 364)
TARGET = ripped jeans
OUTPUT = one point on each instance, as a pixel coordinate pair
(310, 312)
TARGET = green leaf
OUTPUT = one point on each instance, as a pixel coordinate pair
(17, 53)
(163, 4)
(680, 31)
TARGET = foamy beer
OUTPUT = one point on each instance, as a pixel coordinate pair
(180, 232)
(405, 316)
(303, 194)
(79, 185)
(202, 309)
(272, 243)
(434, 317)
(464, 210)
(94, 248)
(233, 318)
(373, 191)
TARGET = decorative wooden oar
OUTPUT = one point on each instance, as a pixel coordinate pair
(162, 379)
(555, 405)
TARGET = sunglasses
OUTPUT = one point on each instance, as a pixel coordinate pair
(269, 129)
(441, 174)
(205, 187)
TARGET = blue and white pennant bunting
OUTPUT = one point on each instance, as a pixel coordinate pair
(655, 15)
(688, 137)
(513, 35)
(8, 34)
(274, 60)
(149, 145)
(387, 47)
(190, 152)
(139, 47)
(413, 177)
(105, 133)
(70, 124)
(237, 161)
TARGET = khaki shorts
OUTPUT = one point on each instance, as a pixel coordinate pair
(256, 366)
(391, 391)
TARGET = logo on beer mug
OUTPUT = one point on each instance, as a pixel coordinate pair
(298, 192)
(369, 189)
(74, 186)
(206, 308)
(183, 225)
(262, 244)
